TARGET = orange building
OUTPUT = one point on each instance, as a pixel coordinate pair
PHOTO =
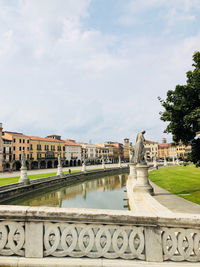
(19, 143)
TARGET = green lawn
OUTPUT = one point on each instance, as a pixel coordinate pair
(12, 180)
(180, 180)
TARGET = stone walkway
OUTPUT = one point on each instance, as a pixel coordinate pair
(173, 202)
(85, 262)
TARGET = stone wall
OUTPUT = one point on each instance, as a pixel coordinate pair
(34, 232)
(15, 190)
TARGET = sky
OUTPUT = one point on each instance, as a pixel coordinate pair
(93, 69)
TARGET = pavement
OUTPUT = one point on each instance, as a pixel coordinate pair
(174, 203)
(86, 262)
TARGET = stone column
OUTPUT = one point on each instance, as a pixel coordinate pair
(23, 176)
(142, 182)
(165, 161)
(173, 161)
(155, 163)
(120, 165)
(103, 164)
(132, 173)
(83, 167)
(59, 169)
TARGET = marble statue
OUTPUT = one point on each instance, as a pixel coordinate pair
(23, 159)
(139, 149)
(131, 154)
(59, 160)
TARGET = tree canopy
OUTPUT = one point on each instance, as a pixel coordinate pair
(182, 110)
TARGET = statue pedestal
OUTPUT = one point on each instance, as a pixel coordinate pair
(142, 182)
(23, 176)
(83, 167)
(155, 164)
(60, 171)
(132, 173)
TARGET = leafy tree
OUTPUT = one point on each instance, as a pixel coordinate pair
(182, 110)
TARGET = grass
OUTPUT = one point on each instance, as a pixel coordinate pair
(12, 180)
(183, 181)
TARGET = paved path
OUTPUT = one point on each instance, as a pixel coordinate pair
(173, 202)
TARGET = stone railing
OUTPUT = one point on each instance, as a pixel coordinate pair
(37, 232)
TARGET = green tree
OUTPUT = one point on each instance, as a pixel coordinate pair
(182, 110)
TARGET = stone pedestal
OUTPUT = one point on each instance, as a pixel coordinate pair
(83, 167)
(132, 173)
(60, 171)
(142, 182)
(23, 176)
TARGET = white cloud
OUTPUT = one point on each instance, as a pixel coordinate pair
(57, 75)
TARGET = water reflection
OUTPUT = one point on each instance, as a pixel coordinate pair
(104, 193)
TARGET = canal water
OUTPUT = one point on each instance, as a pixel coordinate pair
(101, 193)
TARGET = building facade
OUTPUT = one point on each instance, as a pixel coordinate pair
(182, 151)
(72, 153)
(44, 152)
(151, 150)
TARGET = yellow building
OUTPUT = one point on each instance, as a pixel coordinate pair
(182, 150)
(20, 144)
(127, 146)
(151, 149)
(44, 151)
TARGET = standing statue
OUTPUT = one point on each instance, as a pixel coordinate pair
(139, 149)
(23, 159)
(59, 161)
(131, 154)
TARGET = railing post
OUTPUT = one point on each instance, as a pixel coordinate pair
(153, 244)
(34, 240)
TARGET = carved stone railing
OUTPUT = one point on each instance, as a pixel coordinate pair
(33, 232)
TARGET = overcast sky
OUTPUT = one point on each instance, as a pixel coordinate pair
(93, 69)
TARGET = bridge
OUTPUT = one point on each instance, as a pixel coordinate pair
(147, 234)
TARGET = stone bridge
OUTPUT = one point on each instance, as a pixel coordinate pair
(149, 232)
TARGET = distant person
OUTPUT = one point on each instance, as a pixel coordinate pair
(69, 171)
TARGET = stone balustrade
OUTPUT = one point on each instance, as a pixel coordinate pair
(38, 232)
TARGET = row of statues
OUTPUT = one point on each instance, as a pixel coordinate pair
(136, 154)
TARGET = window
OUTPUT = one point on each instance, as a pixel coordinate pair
(14, 148)
(23, 141)
(23, 148)
(20, 140)
(20, 149)
(14, 140)
(38, 147)
(13, 156)
(31, 147)
(27, 148)
(28, 156)
(27, 141)
(20, 156)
